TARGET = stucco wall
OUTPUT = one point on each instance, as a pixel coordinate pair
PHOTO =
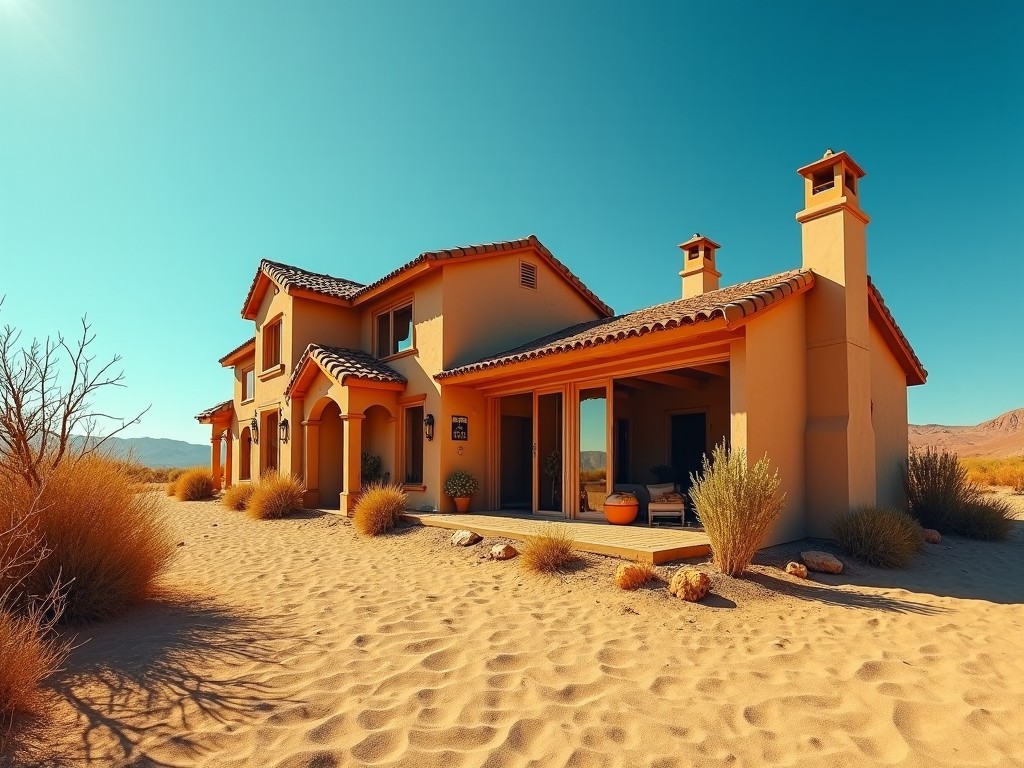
(486, 310)
(889, 417)
(769, 408)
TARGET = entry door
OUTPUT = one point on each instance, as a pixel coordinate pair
(689, 444)
(271, 436)
(549, 456)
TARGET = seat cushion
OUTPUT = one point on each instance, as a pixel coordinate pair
(657, 491)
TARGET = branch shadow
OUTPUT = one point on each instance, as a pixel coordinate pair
(135, 678)
(826, 595)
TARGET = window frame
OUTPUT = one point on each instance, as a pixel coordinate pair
(272, 331)
(390, 313)
(248, 392)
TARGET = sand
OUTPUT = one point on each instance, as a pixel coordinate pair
(297, 643)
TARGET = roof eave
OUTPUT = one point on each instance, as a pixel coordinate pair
(895, 338)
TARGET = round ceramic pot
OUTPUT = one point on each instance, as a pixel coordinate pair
(621, 508)
(462, 503)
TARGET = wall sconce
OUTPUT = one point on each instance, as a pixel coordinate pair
(428, 427)
(254, 430)
(283, 429)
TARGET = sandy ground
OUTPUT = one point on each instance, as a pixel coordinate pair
(298, 643)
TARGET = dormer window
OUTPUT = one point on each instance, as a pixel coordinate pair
(527, 275)
(272, 345)
(394, 331)
(823, 179)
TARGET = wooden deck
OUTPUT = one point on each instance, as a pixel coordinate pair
(633, 542)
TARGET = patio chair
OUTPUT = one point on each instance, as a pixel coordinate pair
(665, 502)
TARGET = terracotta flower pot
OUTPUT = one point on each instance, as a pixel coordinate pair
(462, 503)
(621, 509)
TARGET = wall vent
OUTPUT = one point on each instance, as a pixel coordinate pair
(528, 275)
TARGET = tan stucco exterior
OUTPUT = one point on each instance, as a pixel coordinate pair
(815, 378)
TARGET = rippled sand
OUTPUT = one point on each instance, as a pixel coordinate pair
(297, 643)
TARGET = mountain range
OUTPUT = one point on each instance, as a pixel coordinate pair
(155, 451)
(1001, 436)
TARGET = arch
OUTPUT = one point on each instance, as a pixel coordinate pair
(331, 452)
(317, 411)
(379, 437)
(245, 455)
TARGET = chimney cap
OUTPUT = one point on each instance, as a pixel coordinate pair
(697, 239)
(829, 159)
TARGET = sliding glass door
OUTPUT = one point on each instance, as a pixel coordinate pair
(593, 448)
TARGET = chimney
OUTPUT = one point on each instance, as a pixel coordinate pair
(699, 273)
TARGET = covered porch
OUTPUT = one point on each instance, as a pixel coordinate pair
(220, 417)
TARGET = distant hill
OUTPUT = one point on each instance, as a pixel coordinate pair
(1001, 436)
(156, 451)
(593, 460)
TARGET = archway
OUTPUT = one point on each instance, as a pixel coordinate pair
(379, 439)
(331, 456)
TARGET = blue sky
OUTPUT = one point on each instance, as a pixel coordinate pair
(152, 153)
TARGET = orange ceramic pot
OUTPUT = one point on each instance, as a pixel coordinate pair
(462, 503)
(621, 508)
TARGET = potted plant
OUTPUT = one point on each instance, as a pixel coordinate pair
(461, 486)
(620, 508)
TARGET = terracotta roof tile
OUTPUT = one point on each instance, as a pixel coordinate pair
(238, 349)
(916, 372)
(204, 417)
(342, 364)
(288, 277)
(730, 303)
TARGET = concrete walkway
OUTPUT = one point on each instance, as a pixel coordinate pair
(633, 542)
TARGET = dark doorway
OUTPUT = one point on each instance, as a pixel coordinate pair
(516, 460)
(269, 433)
(689, 444)
(623, 457)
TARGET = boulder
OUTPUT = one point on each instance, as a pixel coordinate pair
(689, 584)
(797, 569)
(465, 538)
(822, 562)
(503, 552)
(932, 536)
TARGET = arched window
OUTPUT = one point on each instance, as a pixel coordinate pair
(245, 458)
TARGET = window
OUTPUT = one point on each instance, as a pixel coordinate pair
(271, 345)
(413, 465)
(527, 275)
(394, 331)
(822, 180)
(248, 384)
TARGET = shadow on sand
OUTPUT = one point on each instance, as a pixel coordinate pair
(135, 678)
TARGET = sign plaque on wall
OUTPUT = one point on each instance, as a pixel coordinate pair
(460, 428)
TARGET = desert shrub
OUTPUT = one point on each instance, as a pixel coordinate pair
(879, 536)
(29, 653)
(592, 475)
(275, 496)
(549, 550)
(174, 474)
(990, 519)
(736, 504)
(937, 488)
(237, 496)
(1006, 471)
(172, 488)
(379, 507)
(195, 484)
(633, 575)
(107, 543)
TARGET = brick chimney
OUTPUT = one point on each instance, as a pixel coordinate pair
(699, 273)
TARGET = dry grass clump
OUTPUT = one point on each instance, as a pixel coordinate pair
(689, 584)
(275, 496)
(1007, 471)
(737, 505)
(988, 519)
(633, 575)
(548, 551)
(172, 488)
(107, 542)
(237, 496)
(194, 484)
(937, 488)
(379, 507)
(29, 653)
(879, 536)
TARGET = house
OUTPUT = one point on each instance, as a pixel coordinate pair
(498, 360)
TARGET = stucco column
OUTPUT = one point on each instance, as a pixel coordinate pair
(228, 462)
(352, 442)
(215, 460)
(311, 463)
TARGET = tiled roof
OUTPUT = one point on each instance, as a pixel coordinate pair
(204, 417)
(238, 349)
(342, 364)
(916, 373)
(289, 277)
(488, 248)
(730, 304)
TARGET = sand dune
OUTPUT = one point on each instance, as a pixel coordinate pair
(296, 643)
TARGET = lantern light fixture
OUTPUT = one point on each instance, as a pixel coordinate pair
(254, 430)
(428, 427)
(283, 429)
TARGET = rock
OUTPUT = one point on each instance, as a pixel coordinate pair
(932, 536)
(822, 562)
(503, 552)
(797, 569)
(689, 584)
(465, 538)
(632, 575)
(181, 543)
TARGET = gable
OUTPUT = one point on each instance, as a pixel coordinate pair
(897, 343)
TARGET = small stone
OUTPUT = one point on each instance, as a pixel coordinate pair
(797, 569)
(822, 562)
(181, 543)
(465, 538)
(932, 536)
(503, 552)
(689, 584)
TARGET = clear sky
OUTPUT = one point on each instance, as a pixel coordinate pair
(152, 153)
